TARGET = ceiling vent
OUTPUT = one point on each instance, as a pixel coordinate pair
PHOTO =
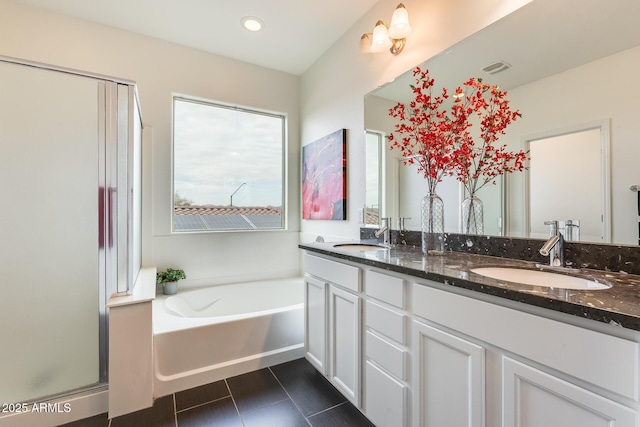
(495, 67)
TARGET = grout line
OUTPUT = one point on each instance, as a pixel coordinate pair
(175, 412)
(233, 399)
(328, 409)
(202, 404)
(290, 398)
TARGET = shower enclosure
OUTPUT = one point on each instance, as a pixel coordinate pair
(70, 147)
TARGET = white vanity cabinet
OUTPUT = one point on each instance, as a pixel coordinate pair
(386, 373)
(434, 355)
(333, 322)
(545, 373)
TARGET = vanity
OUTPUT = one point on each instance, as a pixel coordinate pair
(434, 341)
(424, 341)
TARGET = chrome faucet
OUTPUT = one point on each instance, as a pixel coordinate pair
(554, 247)
(401, 232)
(571, 230)
(386, 223)
(401, 220)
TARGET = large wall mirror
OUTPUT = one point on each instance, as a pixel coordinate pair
(572, 70)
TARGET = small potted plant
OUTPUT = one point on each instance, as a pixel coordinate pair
(169, 280)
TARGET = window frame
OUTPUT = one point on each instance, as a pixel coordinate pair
(284, 163)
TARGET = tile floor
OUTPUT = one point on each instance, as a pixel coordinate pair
(291, 394)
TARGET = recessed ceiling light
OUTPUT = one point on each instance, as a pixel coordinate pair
(252, 23)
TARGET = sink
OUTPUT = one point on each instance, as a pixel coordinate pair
(539, 278)
(358, 247)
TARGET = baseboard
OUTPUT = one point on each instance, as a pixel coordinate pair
(59, 411)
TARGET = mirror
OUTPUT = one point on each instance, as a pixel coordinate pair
(577, 159)
(571, 64)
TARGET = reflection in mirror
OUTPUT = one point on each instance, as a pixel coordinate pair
(581, 69)
(412, 188)
(571, 176)
(373, 153)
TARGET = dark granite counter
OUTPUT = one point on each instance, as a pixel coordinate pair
(618, 305)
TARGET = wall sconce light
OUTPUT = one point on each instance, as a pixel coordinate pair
(392, 38)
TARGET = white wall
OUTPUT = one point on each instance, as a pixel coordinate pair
(160, 70)
(601, 90)
(333, 89)
(329, 96)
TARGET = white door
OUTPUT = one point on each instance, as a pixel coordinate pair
(532, 398)
(344, 346)
(315, 323)
(448, 379)
(570, 161)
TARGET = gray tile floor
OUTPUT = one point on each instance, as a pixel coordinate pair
(291, 394)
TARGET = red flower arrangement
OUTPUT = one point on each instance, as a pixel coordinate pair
(425, 133)
(441, 142)
(478, 161)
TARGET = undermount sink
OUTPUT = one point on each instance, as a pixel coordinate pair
(539, 278)
(358, 247)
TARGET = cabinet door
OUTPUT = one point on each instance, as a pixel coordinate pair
(532, 398)
(448, 379)
(315, 323)
(344, 346)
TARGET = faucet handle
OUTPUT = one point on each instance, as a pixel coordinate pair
(401, 220)
(571, 229)
(553, 226)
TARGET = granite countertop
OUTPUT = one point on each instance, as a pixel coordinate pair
(618, 305)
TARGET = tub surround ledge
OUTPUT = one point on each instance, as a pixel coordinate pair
(618, 305)
(131, 347)
(144, 290)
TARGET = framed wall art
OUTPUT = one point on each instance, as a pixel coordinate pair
(324, 178)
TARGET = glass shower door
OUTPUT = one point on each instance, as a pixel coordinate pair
(50, 257)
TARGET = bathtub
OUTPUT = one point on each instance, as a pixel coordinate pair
(206, 334)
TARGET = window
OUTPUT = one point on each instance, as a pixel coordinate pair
(373, 154)
(228, 167)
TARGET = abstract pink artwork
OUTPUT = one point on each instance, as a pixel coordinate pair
(324, 177)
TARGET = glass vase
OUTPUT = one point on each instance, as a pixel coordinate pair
(472, 216)
(432, 210)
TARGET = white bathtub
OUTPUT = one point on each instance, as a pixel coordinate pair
(207, 334)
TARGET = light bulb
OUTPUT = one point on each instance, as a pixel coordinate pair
(399, 28)
(252, 23)
(381, 41)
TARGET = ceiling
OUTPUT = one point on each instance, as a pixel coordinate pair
(295, 34)
(543, 38)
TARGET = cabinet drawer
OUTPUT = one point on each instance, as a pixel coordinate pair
(386, 288)
(386, 398)
(387, 355)
(340, 274)
(387, 322)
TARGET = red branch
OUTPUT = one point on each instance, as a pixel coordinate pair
(424, 133)
(441, 143)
